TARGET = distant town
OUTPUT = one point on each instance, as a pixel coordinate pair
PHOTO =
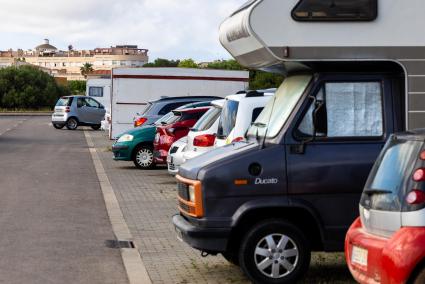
(67, 63)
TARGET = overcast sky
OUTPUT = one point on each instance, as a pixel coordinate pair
(173, 29)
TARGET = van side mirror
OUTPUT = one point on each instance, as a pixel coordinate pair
(320, 125)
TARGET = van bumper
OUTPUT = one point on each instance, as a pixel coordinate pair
(212, 240)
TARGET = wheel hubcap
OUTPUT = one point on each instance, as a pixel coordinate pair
(144, 157)
(276, 255)
(72, 123)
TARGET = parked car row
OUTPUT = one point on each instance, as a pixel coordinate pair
(189, 130)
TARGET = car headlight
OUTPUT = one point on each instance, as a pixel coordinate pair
(192, 193)
(126, 138)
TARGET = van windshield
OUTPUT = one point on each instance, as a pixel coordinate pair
(386, 186)
(278, 110)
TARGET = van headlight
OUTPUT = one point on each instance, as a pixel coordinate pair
(126, 138)
(191, 193)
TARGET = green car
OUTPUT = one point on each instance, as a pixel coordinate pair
(137, 144)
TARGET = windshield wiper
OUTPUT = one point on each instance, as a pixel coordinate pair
(371, 191)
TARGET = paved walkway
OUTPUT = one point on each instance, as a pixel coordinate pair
(148, 201)
(52, 214)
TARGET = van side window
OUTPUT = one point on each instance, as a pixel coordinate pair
(95, 91)
(352, 109)
(256, 112)
(335, 10)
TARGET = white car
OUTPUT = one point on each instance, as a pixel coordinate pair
(199, 140)
(239, 112)
(175, 155)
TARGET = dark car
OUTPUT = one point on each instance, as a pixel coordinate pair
(156, 109)
(295, 185)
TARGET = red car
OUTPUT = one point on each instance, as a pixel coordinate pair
(387, 243)
(167, 134)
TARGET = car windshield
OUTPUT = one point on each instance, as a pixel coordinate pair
(386, 186)
(166, 119)
(67, 101)
(227, 118)
(146, 109)
(207, 120)
(278, 110)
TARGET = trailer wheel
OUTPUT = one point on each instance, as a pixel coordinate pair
(72, 123)
(96, 127)
(143, 157)
(274, 251)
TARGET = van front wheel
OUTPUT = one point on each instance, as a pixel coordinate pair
(274, 251)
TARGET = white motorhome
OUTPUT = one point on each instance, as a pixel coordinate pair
(100, 90)
(300, 35)
(133, 88)
(354, 75)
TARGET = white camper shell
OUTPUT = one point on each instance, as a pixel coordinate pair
(284, 36)
(100, 90)
(133, 88)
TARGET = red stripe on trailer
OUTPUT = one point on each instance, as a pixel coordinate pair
(180, 78)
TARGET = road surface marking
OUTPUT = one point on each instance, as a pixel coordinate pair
(133, 263)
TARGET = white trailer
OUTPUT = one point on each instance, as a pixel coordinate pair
(133, 88)
(100, 90)
(283, 36)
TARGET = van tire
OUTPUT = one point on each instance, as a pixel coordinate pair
(72, 123)
(58, 126)
(96, 127)
(138, 160)
(290, 261)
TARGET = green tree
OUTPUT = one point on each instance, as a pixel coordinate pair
(257, 79)
(264, 80)
(188, 63)
(28, 87)
(225, 65)
(77, 87)
(161, 62)
(86, 69)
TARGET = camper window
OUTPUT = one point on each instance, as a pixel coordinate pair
(351, 109)
(95, 91)
(335, 10)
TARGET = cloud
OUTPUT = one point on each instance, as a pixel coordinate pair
(168, 28)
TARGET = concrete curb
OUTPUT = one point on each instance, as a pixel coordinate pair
(133, 263)
(26, 113)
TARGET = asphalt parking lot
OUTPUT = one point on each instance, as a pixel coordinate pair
(148, 201)
(54, 221)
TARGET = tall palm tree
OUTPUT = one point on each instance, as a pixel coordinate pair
(86, 69)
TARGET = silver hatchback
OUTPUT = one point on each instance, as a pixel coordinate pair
(74, 111)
